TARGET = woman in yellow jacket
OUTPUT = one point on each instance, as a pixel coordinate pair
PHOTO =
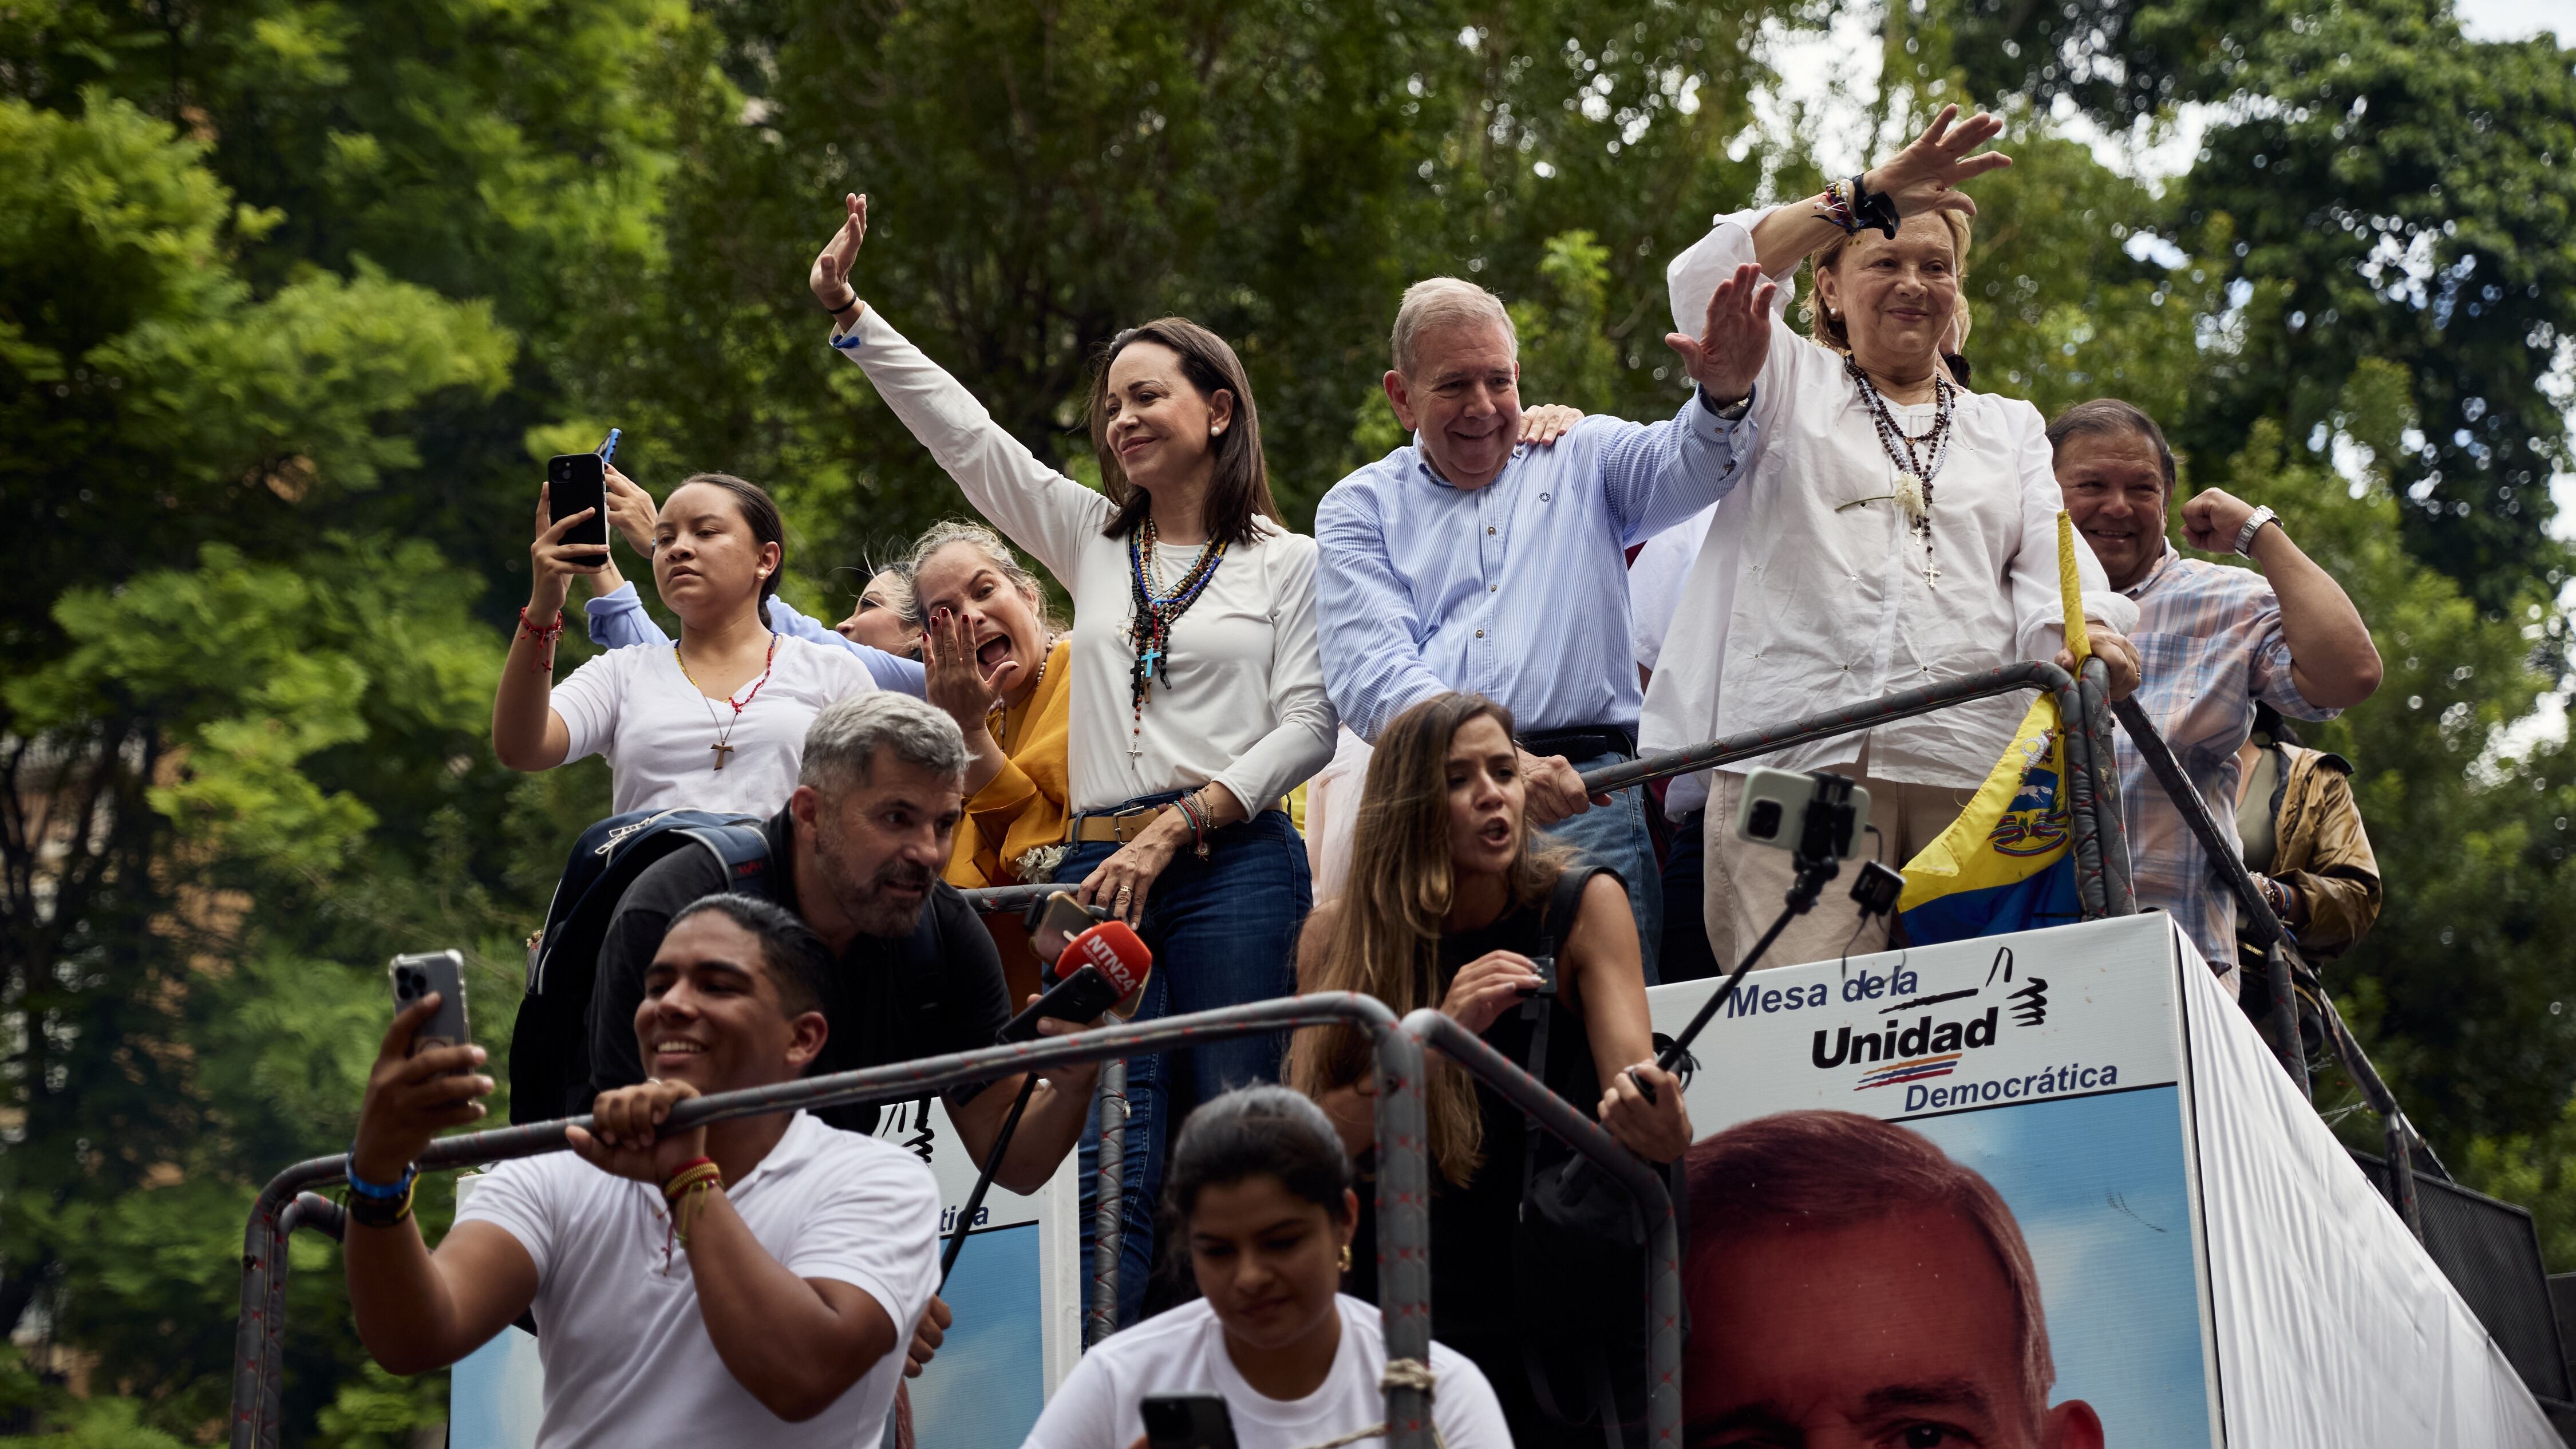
(996, 664)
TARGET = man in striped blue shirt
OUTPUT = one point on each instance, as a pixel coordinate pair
(1467, 561)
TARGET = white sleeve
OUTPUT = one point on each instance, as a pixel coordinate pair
(518, 1197)
(1302, 740)
(877, 1229)
(587, 702)
(1041, 510)
(1655, 583)
(844, 672)
(1463, 1407)
(1084, 1412)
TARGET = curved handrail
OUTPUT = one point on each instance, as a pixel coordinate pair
(1443, 1034)
(1403, 1183)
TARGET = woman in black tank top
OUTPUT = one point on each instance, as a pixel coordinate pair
(1449, 901)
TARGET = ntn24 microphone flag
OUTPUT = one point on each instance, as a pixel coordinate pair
(2007, 863)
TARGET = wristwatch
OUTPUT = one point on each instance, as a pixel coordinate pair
(1727, 412)
(2253, 525)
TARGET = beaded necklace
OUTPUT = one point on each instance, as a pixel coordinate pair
(998, 719)
(724, 731)
(1914, 471)
(1156, 612)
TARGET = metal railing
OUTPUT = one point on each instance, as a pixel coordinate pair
(2101, 846)
(1442, 1033)
(1403, 1186)
(2284, 967)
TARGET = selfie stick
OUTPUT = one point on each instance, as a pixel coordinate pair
(1817, 859)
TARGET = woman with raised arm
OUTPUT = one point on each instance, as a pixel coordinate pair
(714, 722)
(1889, 529)
(1452, 903)
(1196, 695)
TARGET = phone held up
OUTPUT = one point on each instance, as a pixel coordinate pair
(1187, 1421)
(1776, 806)
(575, 481)
(415, 977)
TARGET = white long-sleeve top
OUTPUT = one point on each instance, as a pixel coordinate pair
(1246, 706)
(1794, 608)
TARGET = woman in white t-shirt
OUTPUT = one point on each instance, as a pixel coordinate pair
(714, 722)
(1261, 1190)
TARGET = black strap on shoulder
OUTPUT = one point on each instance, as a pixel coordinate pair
(1555, 922)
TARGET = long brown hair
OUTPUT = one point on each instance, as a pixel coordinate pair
(1239, 491)
(1386, 927)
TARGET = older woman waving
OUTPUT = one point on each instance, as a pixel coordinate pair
(1888, 528)
(1197, 694)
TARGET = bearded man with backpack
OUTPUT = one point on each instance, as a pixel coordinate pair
(856, 855)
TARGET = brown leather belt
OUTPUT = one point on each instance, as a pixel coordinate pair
(1125, 826)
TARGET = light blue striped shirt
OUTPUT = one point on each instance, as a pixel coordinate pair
(1517, 590)
(617, 620)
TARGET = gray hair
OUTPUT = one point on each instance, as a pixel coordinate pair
(1436, 302)
(995, 553)
(841, 745)
(2109, 417)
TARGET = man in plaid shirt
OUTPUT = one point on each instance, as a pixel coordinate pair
(2211, 639)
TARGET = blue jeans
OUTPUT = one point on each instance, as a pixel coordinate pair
(1223, 932)
(1616, 835)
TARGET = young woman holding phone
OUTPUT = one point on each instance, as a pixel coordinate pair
(1260, 1196)
(714, 722)
(1450, 901)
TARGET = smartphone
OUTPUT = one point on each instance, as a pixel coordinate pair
(443, 972)
(1187, 1421)
(1774, 811)
(575, 481)
(1081, 996)
(1055, 921)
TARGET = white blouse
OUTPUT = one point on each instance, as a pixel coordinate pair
(1797, 605)
(1246, 706)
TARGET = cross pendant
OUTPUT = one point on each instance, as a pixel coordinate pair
(723, 751)
(1931, 575)
(1152, 658)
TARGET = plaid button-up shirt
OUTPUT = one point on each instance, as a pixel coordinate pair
(2209, 644)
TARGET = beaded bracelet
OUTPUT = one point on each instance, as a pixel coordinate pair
(1838, 208)
(1197, 815)
(545, 635)
(687, 1191)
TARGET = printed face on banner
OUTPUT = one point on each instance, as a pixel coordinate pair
(1947, 1197)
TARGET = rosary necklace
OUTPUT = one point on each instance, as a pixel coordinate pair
(1914, 471)
(1151, 628)
(724, 729)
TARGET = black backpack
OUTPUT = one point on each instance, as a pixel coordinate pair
(1579, 1249)
(550, 1045)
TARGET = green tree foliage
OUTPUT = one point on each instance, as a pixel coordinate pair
(294, 296)
(2394, 191)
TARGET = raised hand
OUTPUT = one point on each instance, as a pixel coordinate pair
(1548, 422)
(1727, 355)
(631, 512)
(1926, 175)
(411, 1098)
(2213, 518)
(553, 562)
(830, 278)
(952, 681)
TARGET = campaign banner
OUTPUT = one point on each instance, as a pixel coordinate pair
(1961, 1196)
(1015, 1295)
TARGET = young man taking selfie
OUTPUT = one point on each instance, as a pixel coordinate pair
(753, 1281)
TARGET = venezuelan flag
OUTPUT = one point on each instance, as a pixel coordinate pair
(2008, 862)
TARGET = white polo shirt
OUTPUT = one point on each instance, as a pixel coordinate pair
(627, 1358)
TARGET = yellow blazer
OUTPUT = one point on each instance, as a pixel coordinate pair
(1023, 807)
